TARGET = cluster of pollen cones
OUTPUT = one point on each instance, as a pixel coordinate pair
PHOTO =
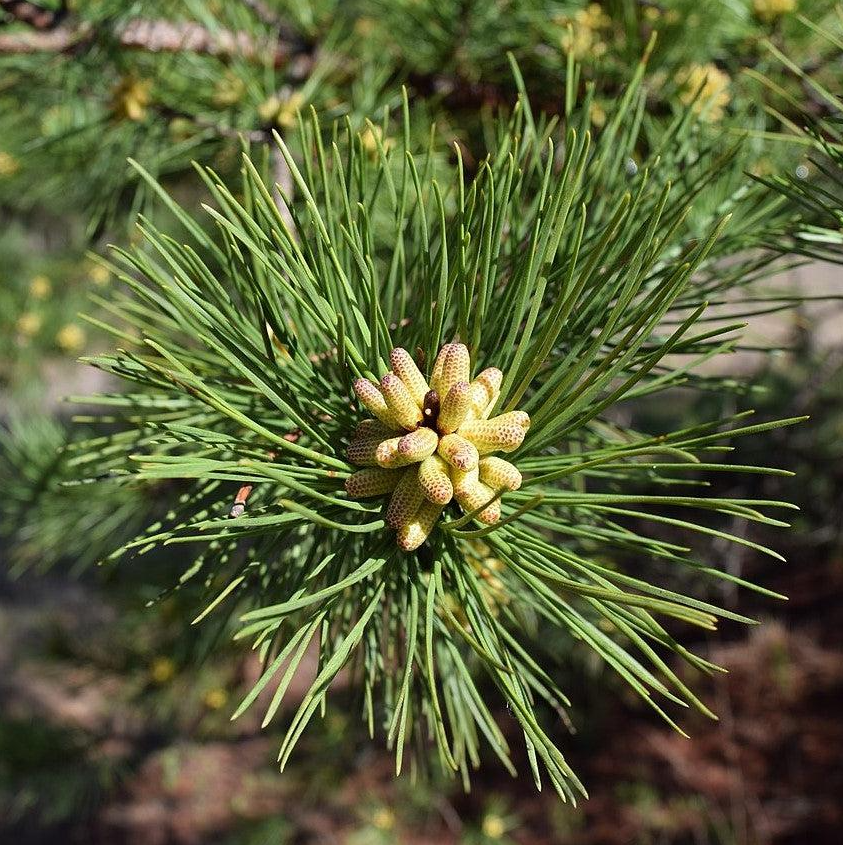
(430, 443)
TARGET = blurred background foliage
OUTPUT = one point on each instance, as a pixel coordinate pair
(112, 727)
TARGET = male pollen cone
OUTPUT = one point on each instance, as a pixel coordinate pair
(431, 443)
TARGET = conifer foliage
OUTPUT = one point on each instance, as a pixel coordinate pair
(543, 286)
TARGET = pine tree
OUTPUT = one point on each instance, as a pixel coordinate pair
(379, 379)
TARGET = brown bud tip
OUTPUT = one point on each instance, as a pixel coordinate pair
(430, 407)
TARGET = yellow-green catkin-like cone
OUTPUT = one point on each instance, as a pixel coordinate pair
(372, 481)
(436, 372)
(455, 366)
(413, 533)
(472, 494)
(373, 400)
(454, 408)
(484, 392)
(504, 433)
(373, 430)
(405, 368)
(418, 444)
(463, 479)
(400, 403)
(435, 480)
(499, 474)
(406, 498)
(388, 456)
(363, 452)
(458, 452)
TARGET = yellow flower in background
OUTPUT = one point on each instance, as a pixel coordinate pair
(70, 338)
(28, 324)
(9, 165)
(180, 129)
(281, 111)
(364, 26)
(770, 10)
(215, 699)
(40, 287)
(100, 275)
(370, 136)
(494, 827)
(287, 113)
(162, 670)
(229, 90)
(131, 98)
(711, 83)
(269, 108)
(597, 115)
(383, 819)
(582, 37)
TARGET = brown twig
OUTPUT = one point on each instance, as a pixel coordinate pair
(58, 40)
(32, 14)
(157, 36)
(163, 36)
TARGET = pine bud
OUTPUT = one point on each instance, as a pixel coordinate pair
(401, 404)
(503, 433)
(499, 474)
(435, 481)
(413, 533)
(405, 500)
(418, 444)
(430, 408)
(405, 368)
(458, 452)
(363, 452)
(372, 481)
(454, 408)
(473, 494)
(371, 397)
(455, 366)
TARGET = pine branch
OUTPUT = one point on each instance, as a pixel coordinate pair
(571, 283)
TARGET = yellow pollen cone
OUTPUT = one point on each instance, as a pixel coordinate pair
(454, 408)
(472, 494)
(458, 452)
(405, 368)
(435, 481)
(401, 404)
(363, 452)
(456, 366)
(406, 498)
(418, 444)
(499, 474)
(372, 481)
(388, 456)
(503, 433)
(369, 429)
(413, 533)
(373, 400)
